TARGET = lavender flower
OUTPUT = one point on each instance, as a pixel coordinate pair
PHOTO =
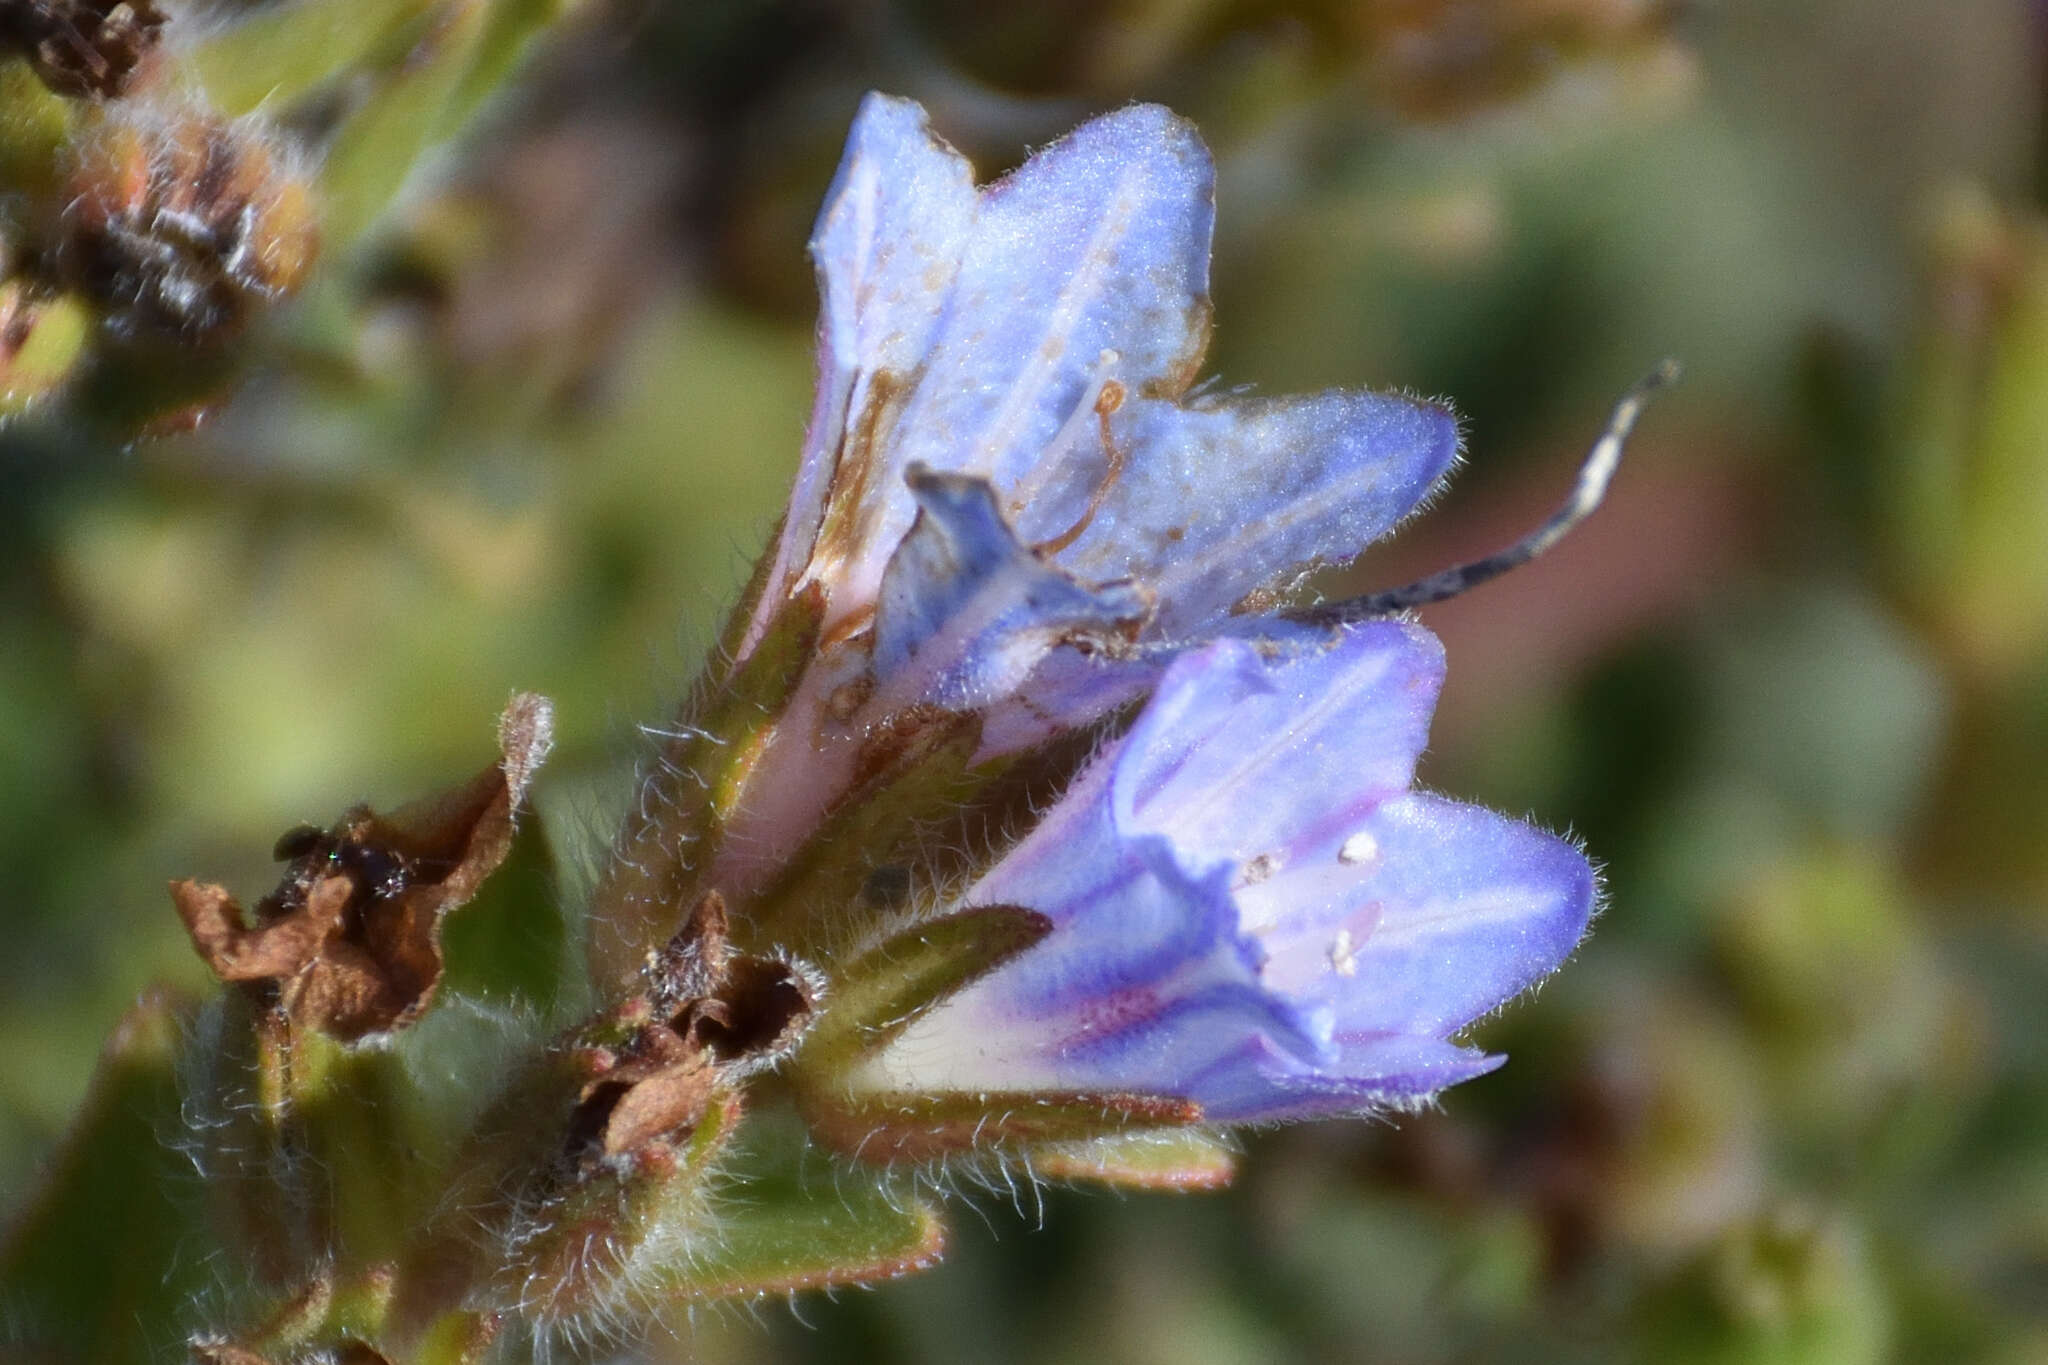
(1007, 483)
(1251, 908)
(1014, 511)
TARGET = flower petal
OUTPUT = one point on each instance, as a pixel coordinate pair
(887, 246)
(966, 611)
(1217, 500)
(1260, 1084)
(1098, 244)
(1239, 757)
(1424, 915)
(1139, 988)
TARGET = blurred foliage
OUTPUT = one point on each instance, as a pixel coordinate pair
(528, 418)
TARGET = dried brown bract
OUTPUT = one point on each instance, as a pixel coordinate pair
(709, 1012)
(184, 226)
(349, 943)
(83, 47)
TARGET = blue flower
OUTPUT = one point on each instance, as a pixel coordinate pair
(1251, 907)
(1011, 499)
(1015, 508)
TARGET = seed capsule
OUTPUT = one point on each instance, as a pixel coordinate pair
(184, 226)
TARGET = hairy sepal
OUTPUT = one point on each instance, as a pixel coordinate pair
(691, 788)
(890, 1128)
(1153, 1159)
(885, 989)
(792, 1223)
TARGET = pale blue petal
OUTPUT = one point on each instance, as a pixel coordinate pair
(1260, 1084)
(1448, 912)
(1100, 243)
(887, 247)
(966, 612)
(1072, 688)
(1219, 499)
(1240, 756)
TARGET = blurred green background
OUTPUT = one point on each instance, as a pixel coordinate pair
(1790, 1103)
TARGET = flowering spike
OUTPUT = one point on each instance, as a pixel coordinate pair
(1018, 822)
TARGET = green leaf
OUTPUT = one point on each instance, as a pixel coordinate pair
(787, 1224)
(884, 990)
(513, 26)
(404, 113)
(352, 1108)
(35, 130)
(105, 1262)
(56, 337)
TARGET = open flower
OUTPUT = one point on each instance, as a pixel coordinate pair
(1252, 910)
(1011, 503)
(1014, 520)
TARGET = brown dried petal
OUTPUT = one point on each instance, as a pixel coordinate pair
(669, 1100)
(237, 953)
(350, 941)
(694, 961)
(710, 1011)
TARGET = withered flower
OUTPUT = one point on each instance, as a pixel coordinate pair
(349, 944)
(710, 1015)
